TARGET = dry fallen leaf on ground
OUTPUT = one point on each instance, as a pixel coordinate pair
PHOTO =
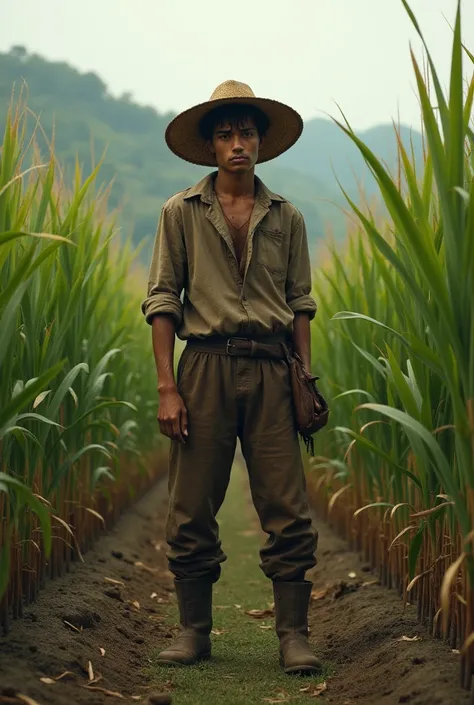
(265, 626)
(26, 699)
(49, 681)
(96, 679)
(319, 594)
(279, 698)
(102, 651)
(260, 614)
(218, 632)
(143, 566)
(410, 638)
(90, 671)
(63, 675)
(97, 689)
(239, 607)
(352, 574)
(314, 691)
(112, 581)
(73, 626)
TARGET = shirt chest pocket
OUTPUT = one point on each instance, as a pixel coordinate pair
(271, 251)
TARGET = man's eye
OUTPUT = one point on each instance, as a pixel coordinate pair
(248, 133)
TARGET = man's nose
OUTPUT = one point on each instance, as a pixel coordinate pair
(236, 144)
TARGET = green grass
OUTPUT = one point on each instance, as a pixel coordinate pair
(244, 668)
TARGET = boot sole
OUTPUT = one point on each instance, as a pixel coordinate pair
(179, 664)
(303, 670)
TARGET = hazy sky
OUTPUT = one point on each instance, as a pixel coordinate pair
(309, 53)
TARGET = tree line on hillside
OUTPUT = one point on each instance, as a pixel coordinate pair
(89, 123)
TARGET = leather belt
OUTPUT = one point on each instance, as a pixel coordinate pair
(272, 346)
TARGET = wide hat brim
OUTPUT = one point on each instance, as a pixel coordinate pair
(184, 138)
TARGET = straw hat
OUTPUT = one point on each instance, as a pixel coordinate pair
(183, 136)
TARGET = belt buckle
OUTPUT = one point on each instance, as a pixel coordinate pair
(231, 344)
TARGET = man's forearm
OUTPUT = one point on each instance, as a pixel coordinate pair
(163, 336)
(302, 338)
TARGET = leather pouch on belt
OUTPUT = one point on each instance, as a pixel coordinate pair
(311, 409)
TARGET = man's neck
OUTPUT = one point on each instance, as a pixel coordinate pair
(235, 185)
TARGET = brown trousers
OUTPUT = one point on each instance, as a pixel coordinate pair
(229, 397)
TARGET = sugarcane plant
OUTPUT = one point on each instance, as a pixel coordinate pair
(77, 406)
(395, 344)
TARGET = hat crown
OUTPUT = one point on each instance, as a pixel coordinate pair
(232, 89)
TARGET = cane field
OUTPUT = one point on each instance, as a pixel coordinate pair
(394, 342)
(77, 420)
(392, 478)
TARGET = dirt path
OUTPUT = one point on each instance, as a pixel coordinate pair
(357, 627)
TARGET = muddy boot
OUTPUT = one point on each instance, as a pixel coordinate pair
(291, 614)
(195, 611)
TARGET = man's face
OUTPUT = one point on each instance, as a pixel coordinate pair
(236, 145)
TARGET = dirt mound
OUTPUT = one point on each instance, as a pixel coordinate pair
(98, 624)
(378, 652)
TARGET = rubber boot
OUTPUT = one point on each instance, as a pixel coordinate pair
(291, 621)
(195, 611)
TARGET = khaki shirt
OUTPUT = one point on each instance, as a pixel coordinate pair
(194, 274)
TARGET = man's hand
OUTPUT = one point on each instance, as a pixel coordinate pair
(173, 416)
(172, 413)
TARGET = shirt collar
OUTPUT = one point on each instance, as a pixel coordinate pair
(205, 190)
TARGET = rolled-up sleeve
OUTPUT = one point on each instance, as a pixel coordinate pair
(167, 271)
(298, 280)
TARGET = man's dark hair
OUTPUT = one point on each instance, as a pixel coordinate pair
(235, 114)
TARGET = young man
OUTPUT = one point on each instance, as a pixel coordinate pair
(239, 253)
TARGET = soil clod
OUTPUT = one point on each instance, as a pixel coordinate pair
(114, 593)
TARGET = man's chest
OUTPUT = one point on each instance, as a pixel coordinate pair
(237, 213)
(217, 253)
(237, 216)
(213, 243)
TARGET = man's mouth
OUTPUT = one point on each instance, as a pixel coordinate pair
(239, 159)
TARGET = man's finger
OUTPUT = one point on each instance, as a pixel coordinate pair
(161, 423)
(177, 436)
(184, 423)
(165, 429)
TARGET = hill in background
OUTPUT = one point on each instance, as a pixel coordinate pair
(145, 173)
